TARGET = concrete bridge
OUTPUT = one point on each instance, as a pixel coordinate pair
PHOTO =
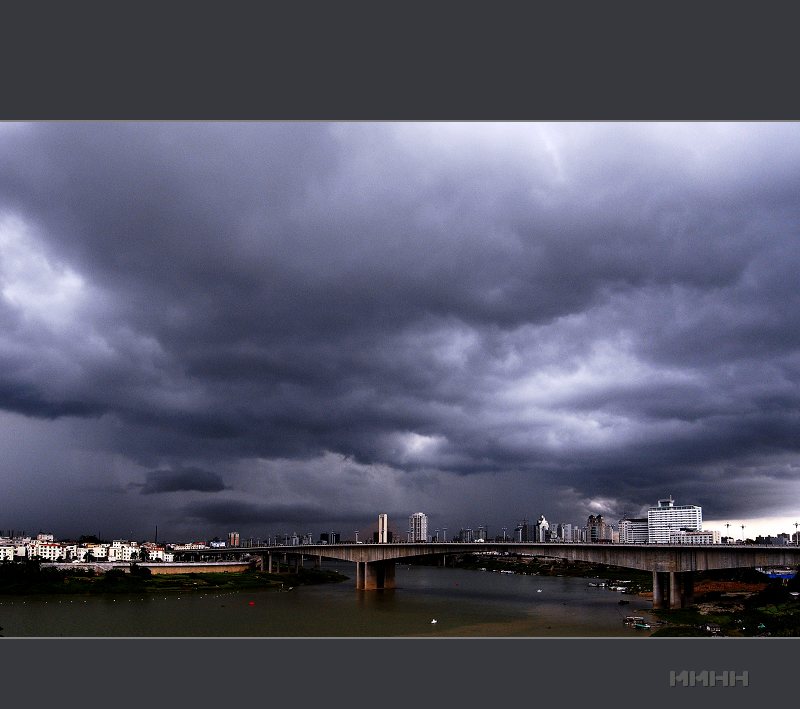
(672, 565)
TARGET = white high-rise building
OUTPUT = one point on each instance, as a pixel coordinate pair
(383, 528)
(666, 518)
(542, 531)
(418, 527)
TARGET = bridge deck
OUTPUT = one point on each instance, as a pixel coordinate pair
(648, 557)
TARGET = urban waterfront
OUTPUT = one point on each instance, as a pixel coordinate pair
(464, 603)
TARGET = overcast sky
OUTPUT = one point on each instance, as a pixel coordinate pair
(292, 327)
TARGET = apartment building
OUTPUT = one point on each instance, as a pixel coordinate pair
(666, 517)
(633, 530)
(418, 527)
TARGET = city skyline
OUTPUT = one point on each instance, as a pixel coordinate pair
(271, 326)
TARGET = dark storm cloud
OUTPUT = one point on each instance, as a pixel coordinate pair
(610, 308)
(158, 481)
(235, 512)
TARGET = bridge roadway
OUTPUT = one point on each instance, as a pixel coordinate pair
(672, 565)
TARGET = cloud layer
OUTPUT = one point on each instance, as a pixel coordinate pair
(480, 321)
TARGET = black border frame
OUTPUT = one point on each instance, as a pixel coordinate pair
(358, 60)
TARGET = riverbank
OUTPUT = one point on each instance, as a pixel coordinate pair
(739, 603)
(31, 579)
(637, 582)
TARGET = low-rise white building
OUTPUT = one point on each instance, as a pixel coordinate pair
(154, 552)
(47, 551)
(98, 552)
(189, 546)
(123, 550)
(707, 536)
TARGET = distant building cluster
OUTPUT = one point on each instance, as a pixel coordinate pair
(666, 523)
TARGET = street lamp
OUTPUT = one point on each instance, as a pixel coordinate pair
(796, 535)
(743, 540)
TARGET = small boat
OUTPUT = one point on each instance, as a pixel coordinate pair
(641, 625)
(538, 590)
(434, 621)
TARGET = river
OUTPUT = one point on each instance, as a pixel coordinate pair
(464, 603)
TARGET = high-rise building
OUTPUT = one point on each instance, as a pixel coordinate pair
(666, 517)
(521, 533)
(542, 530)
(598, 530)
(233, 539)
(418, 527)
(383, 528)
(633, 530)
(564, 532)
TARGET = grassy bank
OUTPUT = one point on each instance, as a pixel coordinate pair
(30, 578)
(741, 603)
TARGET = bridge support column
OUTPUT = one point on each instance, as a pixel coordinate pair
(318, 561)
(269, 563)
(660, 589)
(687, 589)
(375, 575)
(672, 589)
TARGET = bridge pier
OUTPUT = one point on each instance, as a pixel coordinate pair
(375, 575)
(672, 589)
